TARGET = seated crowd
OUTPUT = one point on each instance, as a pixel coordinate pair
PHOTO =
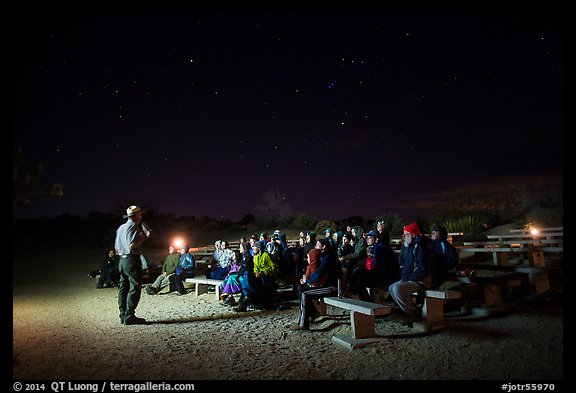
(339, 263)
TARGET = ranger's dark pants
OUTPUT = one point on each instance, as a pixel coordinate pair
(130, 285)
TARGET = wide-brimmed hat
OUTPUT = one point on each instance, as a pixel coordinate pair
(132, 210)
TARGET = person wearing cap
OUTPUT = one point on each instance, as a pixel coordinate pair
(415, 275)
(130, 237)
(168, 268)
(380, 270)
(185, 269)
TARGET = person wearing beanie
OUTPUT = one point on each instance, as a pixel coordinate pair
(412, 228)
(415, 275)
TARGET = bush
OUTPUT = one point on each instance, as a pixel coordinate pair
(303, 221)
(321, 227)
(469, 225)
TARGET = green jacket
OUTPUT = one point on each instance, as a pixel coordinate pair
(171, 263)
(263, 263)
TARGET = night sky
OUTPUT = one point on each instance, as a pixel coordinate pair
(344, 114)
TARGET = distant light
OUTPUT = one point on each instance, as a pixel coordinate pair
(177, 243)
(534, 231)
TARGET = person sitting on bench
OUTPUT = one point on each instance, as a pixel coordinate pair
(415, 275)
(323, 282)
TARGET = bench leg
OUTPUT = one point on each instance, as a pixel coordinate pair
(492, 295)
(502, 258)
(363, 325)
(320, 306)
(201, 288)
(433, 310)
(536, 259)
(217, 292)
(541, 282)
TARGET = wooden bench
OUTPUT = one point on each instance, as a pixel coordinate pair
(201, 285)
(362, 320)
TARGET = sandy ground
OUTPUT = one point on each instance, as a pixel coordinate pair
(64, 328)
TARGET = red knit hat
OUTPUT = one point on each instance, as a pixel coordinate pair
(412, 228)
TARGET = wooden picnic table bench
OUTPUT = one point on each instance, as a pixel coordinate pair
(529, 236)
(537, 276)
(491, 284)
(201, 285)
(362, 320)
(501, 255)
(539, 230)
(512, 243)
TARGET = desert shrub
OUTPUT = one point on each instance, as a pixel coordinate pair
(469, 225)
(303, 221)
(321, 227)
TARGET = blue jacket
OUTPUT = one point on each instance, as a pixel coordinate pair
(187, 263)
(415, 259)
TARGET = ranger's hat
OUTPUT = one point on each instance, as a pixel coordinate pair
(132, 210)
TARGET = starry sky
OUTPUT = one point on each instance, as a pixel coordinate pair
(344, 114)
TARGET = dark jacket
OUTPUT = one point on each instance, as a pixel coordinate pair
(330, 266)
(415, 261)
(385, 262)
(445, 258)
(359, 253)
